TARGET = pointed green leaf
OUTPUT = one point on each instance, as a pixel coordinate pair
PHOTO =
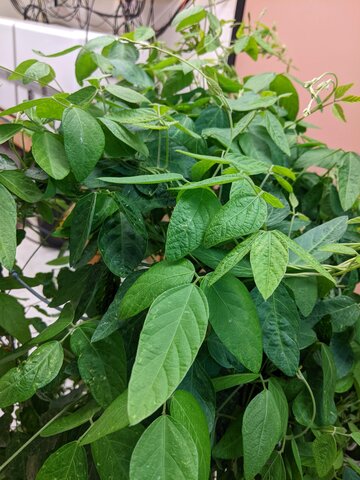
(129, 138)
(280, 325)
(230, 381)
(84, 141)
(349, 180)
(67, 463)
(230, 261)
(121, 245)
(186, 410)
(102, 365)
(172, 334)
(49, 154)
(65, 318)
(144, 179)
(21, 185)
(189, 221)
(112, 453)
(82, 218)
(114, 418)
(72, 420)
(153, 282)
(276, 132)
(281, 402)
(324, 451)
(269, 257)
(42, 366)
(261, 431)
(127, 94)
(235, 321)
(172, 441)
(8, 130)
(230, 445)
(241, 215)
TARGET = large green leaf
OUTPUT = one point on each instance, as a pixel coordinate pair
(121, 245)
(280, 85)
(186, 410)
(21, 185)
(261, 431)
(349, 179)
(229, 262)
(324, 451)
(102, 365)
(127, 94)
(157, 279)
(312, 240)
(114, 418)
(276, 132)
(42, 366)
(305, 291)
(82, 218)
(72, 420)
(112, 453)
(84, 141)
(144, 179)
(241, 215)
(280, 325)
(344, 312)
(171, 441)
(188, 17)
(8, 130)
(269, 257)
(67, 463)
(235, 321)
(188, 223)
(49, 154)
(320, 157)
(230, 445)
(12, 318)
(122, 133)
(172, 334)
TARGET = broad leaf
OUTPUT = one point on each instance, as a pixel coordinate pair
(152, 283)
(8, 130)
(172, 334)
(72, 420)
(280, 325)
(112, 453)
(84, 141)
(127, 94)
(188, 17)
(68, 463)
(49, 154)
(231, 260)
(349, 180)
(261, 430)
(12, 318)
(324, 451)
(269, 257)
(129, 138)
(102, 365)
(230, 445)
(114, 418)
(21, 185)
(235, 321)
(241, 215)
(42, 366)
(121, 245)
(314, 239)
(82, 218)
(172, 441)
(186, 410)
(188, 223)
(276, 132)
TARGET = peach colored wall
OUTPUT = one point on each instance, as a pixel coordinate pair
(320, 36)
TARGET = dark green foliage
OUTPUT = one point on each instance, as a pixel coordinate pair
(208, 324)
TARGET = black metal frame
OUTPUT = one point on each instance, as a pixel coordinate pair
(239, 15)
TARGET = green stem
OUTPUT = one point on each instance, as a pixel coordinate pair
(31, 439)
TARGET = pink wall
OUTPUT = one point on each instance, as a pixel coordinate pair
(320, 36)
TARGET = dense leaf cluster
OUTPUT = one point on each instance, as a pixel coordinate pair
(208, 326)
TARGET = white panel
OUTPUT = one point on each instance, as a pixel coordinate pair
(49, 39)
(7, 59)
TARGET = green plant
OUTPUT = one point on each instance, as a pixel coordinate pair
(208, 326)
